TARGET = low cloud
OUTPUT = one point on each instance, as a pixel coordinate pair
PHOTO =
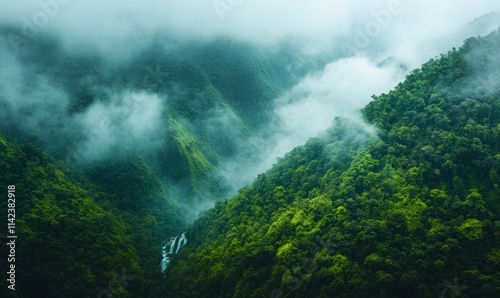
(366, 49)
(133, 120)
(341, 88)
(31, 105)
(36, 108)
(123, 28)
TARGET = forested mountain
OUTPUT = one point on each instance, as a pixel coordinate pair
(79, 105)
(404, 206)
(111, 159)
(113, 154)
(77, 237)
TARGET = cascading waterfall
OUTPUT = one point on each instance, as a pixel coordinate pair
(167, 249)
(182, 241)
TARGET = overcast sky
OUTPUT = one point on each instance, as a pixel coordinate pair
(112, 23)
(362, 33)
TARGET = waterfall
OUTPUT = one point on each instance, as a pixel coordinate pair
(167, 249)
(182, 241)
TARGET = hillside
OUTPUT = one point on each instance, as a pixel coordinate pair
(73, 239)
(405, 206)
(117, 132)
(110, 159)
(167, 103)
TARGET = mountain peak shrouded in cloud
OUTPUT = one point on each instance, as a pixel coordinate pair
(412, 213)
(126, 27)
(333, 66)
(123, 120)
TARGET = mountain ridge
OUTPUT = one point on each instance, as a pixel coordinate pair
(403, 215)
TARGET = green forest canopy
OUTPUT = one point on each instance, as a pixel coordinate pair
(411, 211)
(408, 211)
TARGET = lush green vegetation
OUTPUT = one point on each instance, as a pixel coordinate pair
(85, 224)
(205, 87)
(411, 211)
(74, 237)
(406, 208)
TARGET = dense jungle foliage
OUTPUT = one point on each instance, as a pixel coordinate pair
(94, 227)
(77, 239)
(402, 201)
(409, 208)
(204, 87)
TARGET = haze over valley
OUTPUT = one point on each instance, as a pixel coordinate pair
(286, 148)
